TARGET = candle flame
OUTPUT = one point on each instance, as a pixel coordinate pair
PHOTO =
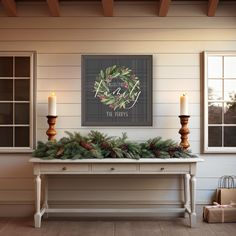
(53, 94)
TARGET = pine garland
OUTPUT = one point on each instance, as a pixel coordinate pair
(99, 145)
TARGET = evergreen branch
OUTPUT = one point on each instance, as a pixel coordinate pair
(99, 145)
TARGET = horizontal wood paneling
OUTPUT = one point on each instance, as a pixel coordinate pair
(119, 47)
(158, 96)
(91, 183)
(127, 183)
(161, 122)
(48, 72)
(15, 165)
(133, 133)
(46, 59)
(217, 165)
(117, 34)
(17, 195)
(166, 84)
(16, 210)
(179, 22)
(122, 196)
(14, 184)
(160, 72)
(175, 42)
(158, 109)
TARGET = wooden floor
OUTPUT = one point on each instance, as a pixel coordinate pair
(57, 227)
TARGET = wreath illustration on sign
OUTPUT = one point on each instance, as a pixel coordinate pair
(123, 96)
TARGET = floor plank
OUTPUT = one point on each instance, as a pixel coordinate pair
(114, 227)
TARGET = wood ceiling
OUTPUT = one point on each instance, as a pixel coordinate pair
(10, 6)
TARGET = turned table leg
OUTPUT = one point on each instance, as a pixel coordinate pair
(186, 193)
(37, 215)
(45, 204)
(193, 217)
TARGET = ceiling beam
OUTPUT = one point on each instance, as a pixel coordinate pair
(107, 6)
(54, 7)
(164, 7)
(212, 6)
(10, 7)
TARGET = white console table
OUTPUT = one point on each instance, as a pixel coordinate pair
(181, 166)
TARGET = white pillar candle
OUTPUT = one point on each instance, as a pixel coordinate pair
(184, 105)
(52, 104)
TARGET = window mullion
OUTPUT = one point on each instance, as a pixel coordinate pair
(223, 105)
(13, 113)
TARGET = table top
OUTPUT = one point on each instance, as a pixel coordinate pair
(119, 160)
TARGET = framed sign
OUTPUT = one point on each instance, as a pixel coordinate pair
(116, 90)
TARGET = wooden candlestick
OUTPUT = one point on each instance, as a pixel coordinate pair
(184, 131)
(51, 132)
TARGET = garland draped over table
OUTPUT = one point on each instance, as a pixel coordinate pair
(99, 145)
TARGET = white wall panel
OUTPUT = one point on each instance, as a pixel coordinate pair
(59, 84)
(128, 22)
(176, 43)
(116, 34)
(59, 72)
(108, 47)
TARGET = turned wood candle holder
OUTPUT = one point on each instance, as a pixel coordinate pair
(184, 131)
(51, 132)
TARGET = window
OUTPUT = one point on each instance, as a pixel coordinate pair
(220, 102)
(16, 102)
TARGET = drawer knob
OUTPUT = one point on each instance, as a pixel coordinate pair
(162, 168)
(112, 168)
(64, 168)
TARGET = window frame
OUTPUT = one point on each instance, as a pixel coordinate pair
(206, 148)
(32, 102)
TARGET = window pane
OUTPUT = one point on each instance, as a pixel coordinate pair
(214, 89)
(230, 113)
(6, 113)
(21, 136)
(230, 67)
(6, 66)
(215, 113)
(6, 137)
(230, 136)
(215, 67)
(230, 90)
(22, 66)
(6, 89)
(22, 113)
(214, 136)
(22, 90)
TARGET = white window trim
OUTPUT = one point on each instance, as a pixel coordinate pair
(206, 148)
(32, 121)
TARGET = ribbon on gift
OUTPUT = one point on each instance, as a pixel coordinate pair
(217, 205)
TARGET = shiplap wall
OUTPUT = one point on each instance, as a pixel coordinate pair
(175, 41)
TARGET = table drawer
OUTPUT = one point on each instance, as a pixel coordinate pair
(64, 168)
(114, 168)
(165, 168)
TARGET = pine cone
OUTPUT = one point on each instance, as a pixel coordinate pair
(60, 151)
(124, 147)
(157, 152)
(113, 155)
(105, 145)
(85, 145)
(152, 146)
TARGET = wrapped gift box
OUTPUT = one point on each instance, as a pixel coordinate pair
(226, 195)
(219, 213)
